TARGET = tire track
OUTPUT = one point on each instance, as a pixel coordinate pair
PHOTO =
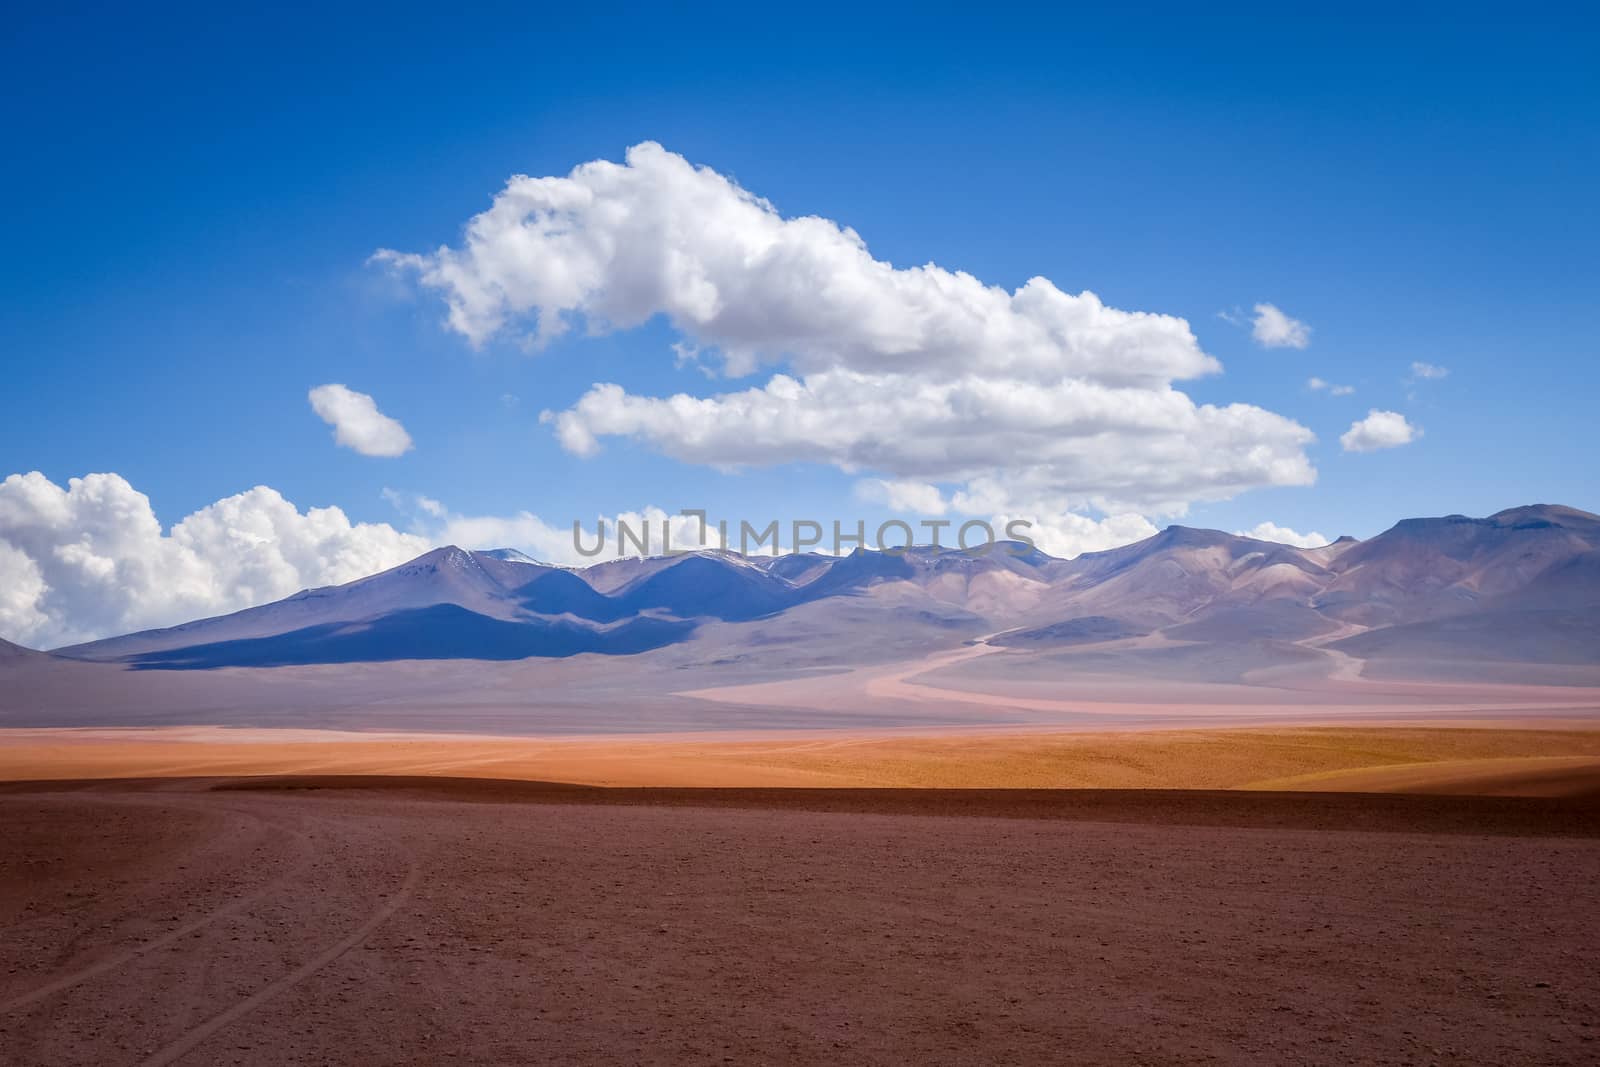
(122, 959)
(197, 1036)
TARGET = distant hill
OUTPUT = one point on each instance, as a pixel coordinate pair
(10, 653)
(1520, 586)
(482, 584)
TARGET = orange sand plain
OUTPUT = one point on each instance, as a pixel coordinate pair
(1503, 759)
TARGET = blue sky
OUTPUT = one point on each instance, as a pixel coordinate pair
(194, 201)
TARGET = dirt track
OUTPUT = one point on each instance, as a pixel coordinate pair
(166, 922)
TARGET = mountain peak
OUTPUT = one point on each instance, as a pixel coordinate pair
(512, 555)
(1190, 537)
(16, 653)
(442, 554)
(1526, 517)
(1545, 514)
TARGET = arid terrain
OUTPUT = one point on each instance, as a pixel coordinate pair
(431, 922)
(1200, 799)
(1283, 894)
(1527, 758)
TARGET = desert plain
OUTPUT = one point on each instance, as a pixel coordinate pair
(1414, 891)
(868, 828)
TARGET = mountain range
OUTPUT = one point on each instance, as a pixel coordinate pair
(1519, 587)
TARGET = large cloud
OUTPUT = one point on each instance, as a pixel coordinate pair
(1050, 447)
(619, 243)
(921, 374)
(91, 559)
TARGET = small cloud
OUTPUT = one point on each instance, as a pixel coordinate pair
(357, 423)
(919, 497)
(1271, 531)
(1427, 372)
(1317, 385)
(1380, 429)
(509, 400)
(1271, 328)
(414, 503)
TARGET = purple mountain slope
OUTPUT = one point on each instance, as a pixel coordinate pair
(443, 576)
(698, 585)
(1522, 584)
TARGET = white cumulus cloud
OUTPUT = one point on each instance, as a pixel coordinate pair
(1271, 531)
(1271, 328)
(1049, 447)
(1067, 536)
(1380, 429)
(619, 243)
(357, 423)
(91, 559)
(917, 374)
(22, 591)
(1428, 372)
(1063, 535)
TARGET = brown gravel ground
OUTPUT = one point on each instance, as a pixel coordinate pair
(367, 921)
